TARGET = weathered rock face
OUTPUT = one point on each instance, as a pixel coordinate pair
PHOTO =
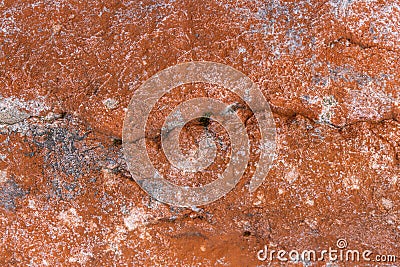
(329, 70)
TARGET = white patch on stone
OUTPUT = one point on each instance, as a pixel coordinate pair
(292, 175)
(81, 257)
(31, 204)
(394, 179)
(260, 199)
(351, 182)
(136, 218)
(387, 203)
(310, 202)
(110, 103)
(70, 217)
(3, 176)
(242, 50)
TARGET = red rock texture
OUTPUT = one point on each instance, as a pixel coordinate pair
(329, 70)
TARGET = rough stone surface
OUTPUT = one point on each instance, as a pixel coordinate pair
(329, 69)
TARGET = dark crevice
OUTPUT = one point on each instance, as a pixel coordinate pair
(353, 41)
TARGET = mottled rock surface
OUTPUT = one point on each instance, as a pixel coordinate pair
(329, 69)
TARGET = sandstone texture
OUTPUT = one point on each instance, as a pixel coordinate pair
(68, 69)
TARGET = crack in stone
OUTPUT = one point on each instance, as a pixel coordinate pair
(364, 46)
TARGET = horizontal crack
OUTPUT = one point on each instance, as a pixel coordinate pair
(350, 38)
